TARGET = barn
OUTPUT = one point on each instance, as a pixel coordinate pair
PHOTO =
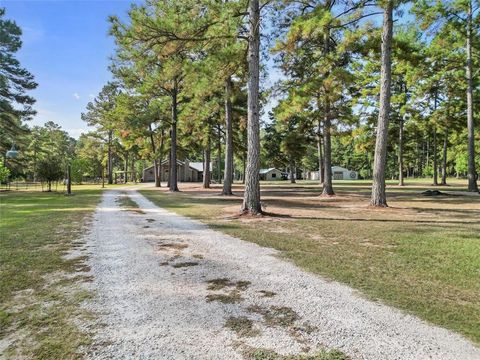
(186, 171)
(271, 174)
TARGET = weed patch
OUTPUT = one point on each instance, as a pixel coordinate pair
(242, 326)
(229, 298)
(276, 315)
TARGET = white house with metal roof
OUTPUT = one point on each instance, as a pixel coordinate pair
(271, 174)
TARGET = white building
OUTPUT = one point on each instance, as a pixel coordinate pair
(338, 173)
(270, 174)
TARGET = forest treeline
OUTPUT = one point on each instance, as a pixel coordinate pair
(386, 88)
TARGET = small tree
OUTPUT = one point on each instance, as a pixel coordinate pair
(49, 170)
(4, 173)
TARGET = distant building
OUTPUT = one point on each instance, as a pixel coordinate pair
(338, 173)
(271, 174)
(186, 171)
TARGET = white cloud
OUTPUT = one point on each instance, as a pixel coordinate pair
(76, 96)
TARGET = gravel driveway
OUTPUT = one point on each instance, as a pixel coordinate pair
(169, 287)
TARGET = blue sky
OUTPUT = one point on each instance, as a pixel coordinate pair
(67, 47)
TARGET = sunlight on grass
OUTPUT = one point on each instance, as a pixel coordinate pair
(37, 300)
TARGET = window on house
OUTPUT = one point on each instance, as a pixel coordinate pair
(274, 176)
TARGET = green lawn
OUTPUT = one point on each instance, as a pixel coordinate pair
(421, 255)
(39, 300)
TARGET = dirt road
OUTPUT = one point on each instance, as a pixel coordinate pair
(168, 287)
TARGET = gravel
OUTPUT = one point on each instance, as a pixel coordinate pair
(151, 309)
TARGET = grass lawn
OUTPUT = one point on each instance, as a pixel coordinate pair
(39, 291)
(422, 254)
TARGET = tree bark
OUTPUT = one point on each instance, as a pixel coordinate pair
(125, 178)
(251, 199)
(160, 156)
(327, 178)
(327, 128)
(379, 197)
(435, 162)
(110, 161)
(206, 165)
(320, 152)
(400, 153)
(444, 159)
(472, 174)
(133, 176)
(173, 184)
(155, 161)
(69, 179)
(244, 167)
(219, 155)
(228, 175)
(292, 172)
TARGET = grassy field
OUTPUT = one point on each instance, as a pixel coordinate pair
(39, 292)
(422, 254)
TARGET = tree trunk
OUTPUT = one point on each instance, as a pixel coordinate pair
(173, 186)
(327, 178)
(251, 199)
(327, 130)
(292, 172)
(69, 179)
(133, 175)
(320, 152)
(379, 197)
(125, 175)
(206, 165)
(160, 157)
(444, 159)
(110, 162)
(472, 174)
(228, 176)
(155, 161)
(400, 153)
(219, 155)
(244, 167)
(435, 163)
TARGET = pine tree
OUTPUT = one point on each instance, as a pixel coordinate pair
(379, 197)
(101, 113)
(15, 81)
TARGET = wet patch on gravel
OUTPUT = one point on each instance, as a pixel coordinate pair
(185, 264)
(267, 293)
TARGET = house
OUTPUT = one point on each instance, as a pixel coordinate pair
(338, 173)
(271, 174)
(186, 171)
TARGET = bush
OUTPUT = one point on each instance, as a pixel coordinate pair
(4, 173)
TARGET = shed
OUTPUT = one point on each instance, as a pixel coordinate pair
(186, 171)
(271, 174)
(341, 173)
(338, 173)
